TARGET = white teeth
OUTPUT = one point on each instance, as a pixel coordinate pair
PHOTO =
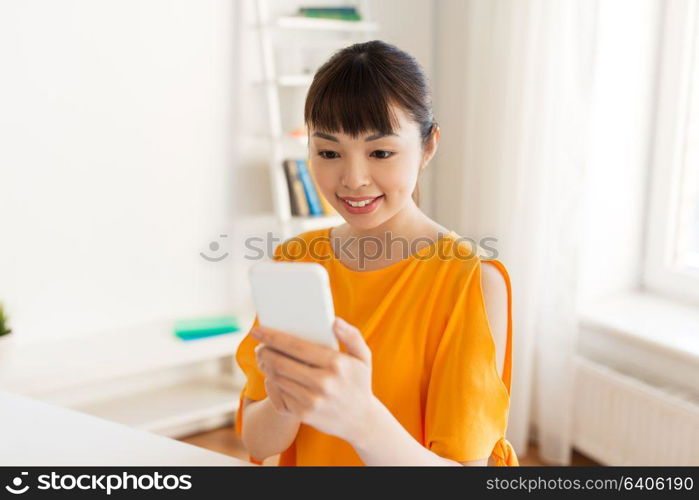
(359, 203)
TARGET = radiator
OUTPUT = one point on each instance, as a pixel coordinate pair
(621, 420)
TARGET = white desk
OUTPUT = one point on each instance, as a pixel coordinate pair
(36, 433)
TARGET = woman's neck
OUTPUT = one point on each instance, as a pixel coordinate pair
(399, 236)
(409, 222)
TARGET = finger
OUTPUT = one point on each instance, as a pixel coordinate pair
(352, 338)
(303, 350)
(259, 360)
(295, 408)
(268, 369)
(298, 392)
(275, 396)
(276, 364)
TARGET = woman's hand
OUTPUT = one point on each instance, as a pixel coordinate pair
(274, 394)
(324, 388)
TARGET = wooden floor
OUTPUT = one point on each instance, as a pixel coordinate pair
(225, 441)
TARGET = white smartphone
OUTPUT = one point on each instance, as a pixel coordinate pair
(295, 297)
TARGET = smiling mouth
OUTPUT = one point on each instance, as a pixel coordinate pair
(359, 203)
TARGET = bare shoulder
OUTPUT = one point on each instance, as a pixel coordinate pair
(492, 279)
(495, 297)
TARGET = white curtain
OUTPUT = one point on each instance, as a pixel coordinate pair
(512, 87)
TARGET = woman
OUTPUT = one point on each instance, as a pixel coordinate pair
(415, 381)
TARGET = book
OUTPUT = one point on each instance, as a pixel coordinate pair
(290, 176)
(196, 328)
(339, 13)
(314, 205)
(327, 208)
(297, 196)
(330, 8)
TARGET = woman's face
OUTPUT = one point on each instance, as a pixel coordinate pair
(370, 167)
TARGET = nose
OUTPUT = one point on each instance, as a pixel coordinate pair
(356, 175)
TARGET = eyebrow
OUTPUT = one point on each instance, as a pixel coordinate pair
(335, 139)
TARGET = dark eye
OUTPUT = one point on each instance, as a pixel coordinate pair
(328, 155)
(382, 154)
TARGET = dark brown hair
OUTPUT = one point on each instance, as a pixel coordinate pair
(354, 90)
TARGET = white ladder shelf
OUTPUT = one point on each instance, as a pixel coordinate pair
(291, 225)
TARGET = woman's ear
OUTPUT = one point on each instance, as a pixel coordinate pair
(430, 146)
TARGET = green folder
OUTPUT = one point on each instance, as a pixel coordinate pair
(197, 328)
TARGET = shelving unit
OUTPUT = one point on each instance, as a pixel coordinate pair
(307, 23)
(171, 410)
(283, 146)
(143, 376)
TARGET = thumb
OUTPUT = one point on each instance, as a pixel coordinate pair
(352, 338)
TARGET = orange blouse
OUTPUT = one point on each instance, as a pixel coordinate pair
(433, 355)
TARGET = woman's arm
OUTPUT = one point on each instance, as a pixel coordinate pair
(331, 391)
(386, 442)
(266, 432)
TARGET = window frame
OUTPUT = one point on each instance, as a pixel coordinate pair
(679, 49)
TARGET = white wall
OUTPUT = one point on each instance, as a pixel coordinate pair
(127, 146)
(115, 158)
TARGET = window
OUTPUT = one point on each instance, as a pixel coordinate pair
(687, 246)
(672, 256)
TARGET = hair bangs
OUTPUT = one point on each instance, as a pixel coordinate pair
(350, 98)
